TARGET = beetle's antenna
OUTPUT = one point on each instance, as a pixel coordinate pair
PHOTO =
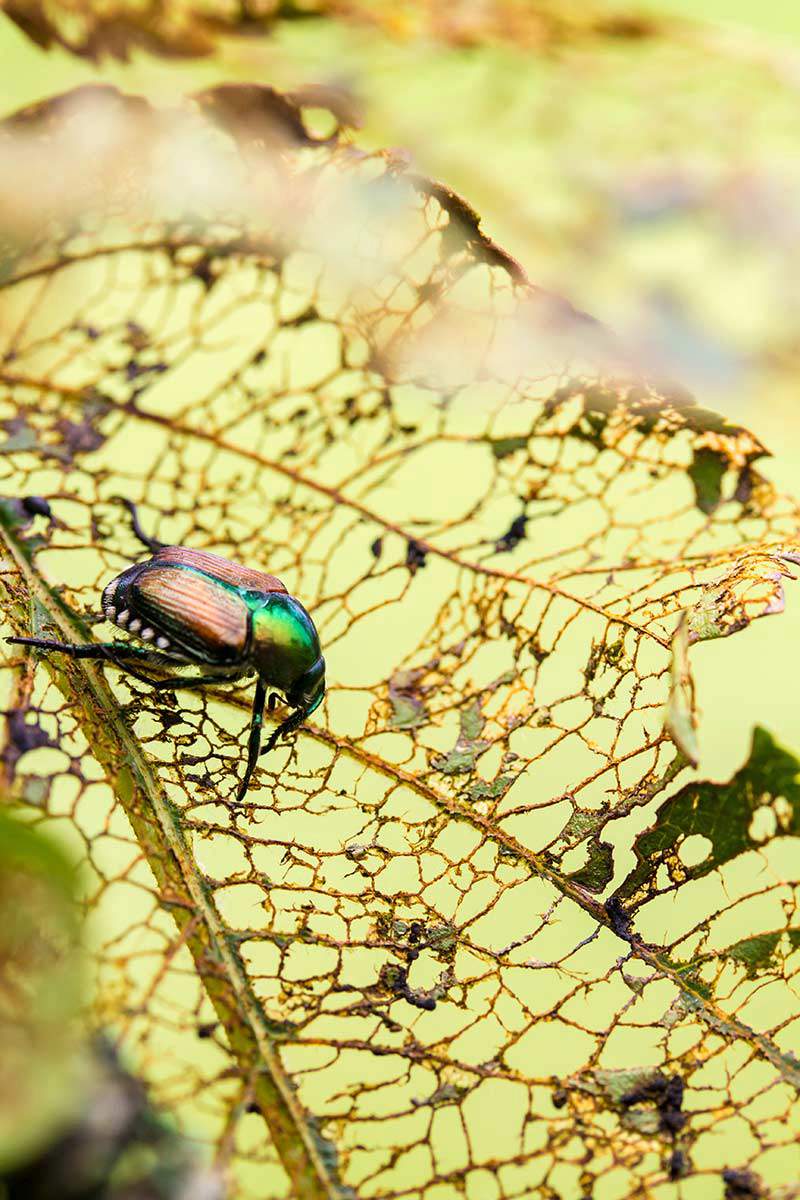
(152, 544)
(292, 722)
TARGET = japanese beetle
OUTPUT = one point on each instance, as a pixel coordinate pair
(195, 607)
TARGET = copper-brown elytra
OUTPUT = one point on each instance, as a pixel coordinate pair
(197, 607)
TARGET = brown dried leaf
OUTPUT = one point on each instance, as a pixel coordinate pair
(188, 28)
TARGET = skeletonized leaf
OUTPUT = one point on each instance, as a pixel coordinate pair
(394, 972)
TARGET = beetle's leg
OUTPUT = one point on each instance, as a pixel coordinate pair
(191, 681)
(272, 702)
(82, 649)
(113, 652)
(152, 544)
(292, 722)
(254, 741)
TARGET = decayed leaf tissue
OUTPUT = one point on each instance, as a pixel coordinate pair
(479, 929)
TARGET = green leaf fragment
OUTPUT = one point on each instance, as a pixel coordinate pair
(707, 472)
(721, 813)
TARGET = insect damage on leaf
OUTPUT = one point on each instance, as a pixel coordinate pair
(760, 803)
(312, 374)
(753, 587)
(408, 704)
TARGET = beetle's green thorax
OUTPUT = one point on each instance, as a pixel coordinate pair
(285, 646)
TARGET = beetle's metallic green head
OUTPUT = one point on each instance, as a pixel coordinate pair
(307, 692)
